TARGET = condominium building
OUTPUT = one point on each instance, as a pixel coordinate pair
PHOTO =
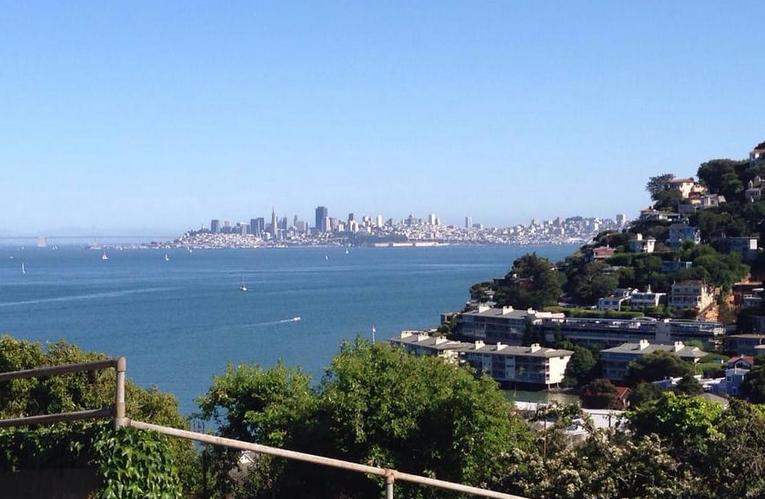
(422, 343)
(507, 325)
(504, 324)
(745, 344)
(534, 365)
(616, 360)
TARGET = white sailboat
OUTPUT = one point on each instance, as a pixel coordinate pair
(242, 286)
(167, 258)
(346, 251)
(23, 269)
(104, 256)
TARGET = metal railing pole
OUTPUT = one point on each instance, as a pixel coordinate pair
(119, 402)
(389, 480)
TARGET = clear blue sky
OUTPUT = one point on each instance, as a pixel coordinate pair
(161, 115)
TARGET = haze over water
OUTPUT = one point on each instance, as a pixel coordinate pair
(179, 322)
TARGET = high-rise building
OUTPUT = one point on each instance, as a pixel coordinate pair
(257, 226)
(274, 224)
(351, 217)
(379, 221)
(322, 217)
(621, 219)
(468, 222)
(283, 223)
(215, 226)
(432, 218)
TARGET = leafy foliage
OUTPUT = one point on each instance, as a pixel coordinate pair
(533, 282)
(133, 464)
(655, 366)
(74, 444)
(754, 384)
(599, 394)
(376, 405)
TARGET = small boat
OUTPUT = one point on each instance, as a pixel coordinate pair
(326, 257)
(23, 269)
(346, 251)
(242, 286)
(104, 256)
(296, 318)
(167, 258)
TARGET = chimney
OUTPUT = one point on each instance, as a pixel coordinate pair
(678, 346)
(405, 334)
(506, 310)
(535, 347)
(422, 336)
(643, 344)
(500, 346)
(440, 340)
(482, 307)
(479, 344)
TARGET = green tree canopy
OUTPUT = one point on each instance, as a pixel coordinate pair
(376, 405)
(754, 384)
(599, 394)
(655, 366)
(658, 184)
(81, 444)
(533, 282)
(583, 366)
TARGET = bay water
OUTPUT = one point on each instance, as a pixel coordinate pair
(179, 320)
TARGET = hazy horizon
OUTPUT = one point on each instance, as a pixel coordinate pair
(160, 117)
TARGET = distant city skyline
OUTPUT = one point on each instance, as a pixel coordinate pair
(157, 116)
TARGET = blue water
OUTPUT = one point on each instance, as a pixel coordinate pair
(180, 322)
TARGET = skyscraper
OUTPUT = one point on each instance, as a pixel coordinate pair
(322, 213)
(257, 226)
(468, 222)
(215, 226)
(274, 224)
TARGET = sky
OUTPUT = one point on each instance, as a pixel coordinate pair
(142, 117)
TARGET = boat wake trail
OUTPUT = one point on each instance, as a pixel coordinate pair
(273, 323)
(91, 296)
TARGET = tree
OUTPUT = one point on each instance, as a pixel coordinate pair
(689, 385)
(667, 200)
(375, 405)
(533, 282)
(754, 384)
(582, 367)
(599, 394)
(65, 445)
(689, 424)
(658, 184)
(733, 467)
(721, 176)
(655, 366)
(644, 392)
(587, 281)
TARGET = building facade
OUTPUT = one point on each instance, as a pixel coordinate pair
(533, 365)
(616, 360)
(691, 294)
